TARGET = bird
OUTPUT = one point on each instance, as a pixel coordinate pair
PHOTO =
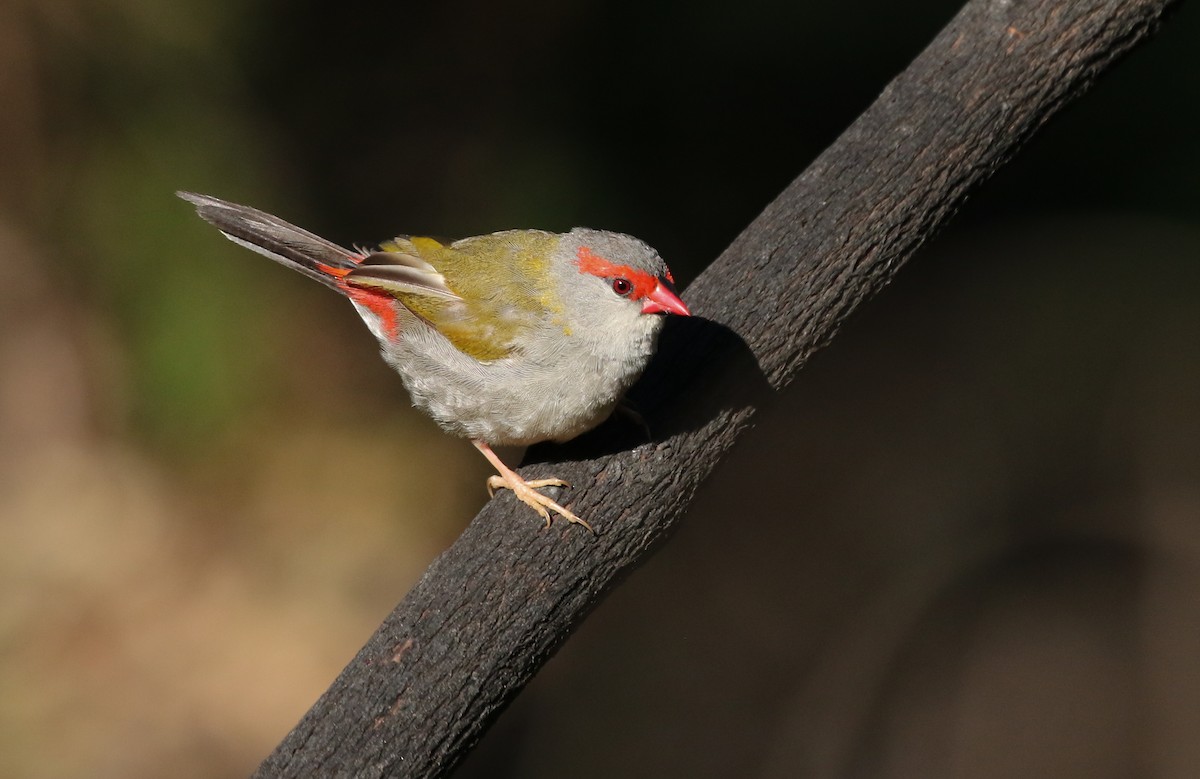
(505, 339)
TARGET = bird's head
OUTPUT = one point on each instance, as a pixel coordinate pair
(616, 277)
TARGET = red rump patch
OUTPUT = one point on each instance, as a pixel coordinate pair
(592, 263)
(380, 304)
(329, 270)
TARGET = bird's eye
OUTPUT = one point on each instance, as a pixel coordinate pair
(622, 286)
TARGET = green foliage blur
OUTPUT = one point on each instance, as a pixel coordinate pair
(211, 489)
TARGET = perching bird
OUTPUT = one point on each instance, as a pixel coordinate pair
(506, 339)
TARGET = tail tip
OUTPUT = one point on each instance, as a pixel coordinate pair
(194, 198)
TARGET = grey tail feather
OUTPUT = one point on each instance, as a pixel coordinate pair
(272, 237)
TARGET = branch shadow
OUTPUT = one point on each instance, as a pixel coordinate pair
(701, 369)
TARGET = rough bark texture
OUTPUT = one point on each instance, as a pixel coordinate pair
(490, 610)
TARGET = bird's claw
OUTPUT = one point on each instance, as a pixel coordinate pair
(526, 492)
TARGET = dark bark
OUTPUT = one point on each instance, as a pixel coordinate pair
(490, 610)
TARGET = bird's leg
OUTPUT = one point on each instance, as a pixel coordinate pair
(526, 491)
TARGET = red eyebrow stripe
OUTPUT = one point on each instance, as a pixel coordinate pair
(590, 262)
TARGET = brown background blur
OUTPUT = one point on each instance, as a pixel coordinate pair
(965, 543)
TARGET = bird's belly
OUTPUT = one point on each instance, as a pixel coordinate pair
(514, 401)
(516, 418)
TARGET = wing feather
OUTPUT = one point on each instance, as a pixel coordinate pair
(453, 287)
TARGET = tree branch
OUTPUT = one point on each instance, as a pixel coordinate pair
(493, 608)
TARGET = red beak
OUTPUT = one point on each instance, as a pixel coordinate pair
(662, 300)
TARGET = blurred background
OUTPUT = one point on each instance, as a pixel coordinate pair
(966, 541)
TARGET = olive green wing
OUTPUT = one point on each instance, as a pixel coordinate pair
(480, 293)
